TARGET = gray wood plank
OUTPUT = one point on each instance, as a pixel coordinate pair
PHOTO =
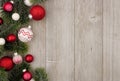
(108, 39)
(116, 41)
(60, 40)
(88, 40)
(37, 45)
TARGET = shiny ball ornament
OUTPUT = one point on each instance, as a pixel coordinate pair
(29, 58)
(37, 12)
(32, 79)
(6, 63)
(30, 16)
(1, 21)
(17, 59)
(11, 38)
(8, 6)
(2, 41)
(25, 34)
(28, 2)
(27, 76)
(15, 16)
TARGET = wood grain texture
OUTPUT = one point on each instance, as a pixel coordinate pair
(88, 40)
(79, 40)
(108, 39)
(111, 40)
(60, 40)
(116, 41)
(37, 45)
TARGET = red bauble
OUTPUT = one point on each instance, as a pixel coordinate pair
(29, 58)
(1, 21)
(8, 6)
(27, 76)
(37, 12)
(6, 63)
(11, 38)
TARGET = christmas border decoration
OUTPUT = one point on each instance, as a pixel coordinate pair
(15, 32)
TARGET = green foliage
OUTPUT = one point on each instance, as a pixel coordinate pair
(37, 1)
(1, 50)
(19, 8)
(6, 30)
(40, 75)
(17, 46)
(3, 75)
(16, 73)
(11, 27)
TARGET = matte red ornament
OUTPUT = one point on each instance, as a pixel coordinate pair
(27, 76)
(29, 58)
(37, 12)
(8, 6)
(6, 63)
(11, 38)
(1, 21)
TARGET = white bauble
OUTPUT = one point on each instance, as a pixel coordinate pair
(32, 79)
(28, 2)
(15, 16)
(2, 41)
(25, 34)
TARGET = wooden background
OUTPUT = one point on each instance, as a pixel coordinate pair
(79, 40)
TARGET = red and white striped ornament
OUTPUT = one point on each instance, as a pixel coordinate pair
(25, 34)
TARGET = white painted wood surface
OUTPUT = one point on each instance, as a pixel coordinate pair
(79, 40)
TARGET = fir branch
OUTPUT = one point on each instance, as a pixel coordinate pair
(5, 30)
(18, 46)
(16, 73)
(40, 75)
(11, 26)
(37, 1)
(19, 8)
(3, 75)
(2, 50)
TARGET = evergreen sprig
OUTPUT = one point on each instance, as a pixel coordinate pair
(37, 1)
(16, 73)
(12, 27)
(3, 75)
(40, 75)
(18, 47)
(2, 50)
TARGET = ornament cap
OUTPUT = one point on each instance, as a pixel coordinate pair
(30, 16)
(15, 53)
(29, 27)
(12, 2)
(24, 70)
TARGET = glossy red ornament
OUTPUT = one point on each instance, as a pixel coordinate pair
(6, 63)
(1, 21)
(37, 12)
(27, 76)
(8, 6)
(29, 58)
(11, 38)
